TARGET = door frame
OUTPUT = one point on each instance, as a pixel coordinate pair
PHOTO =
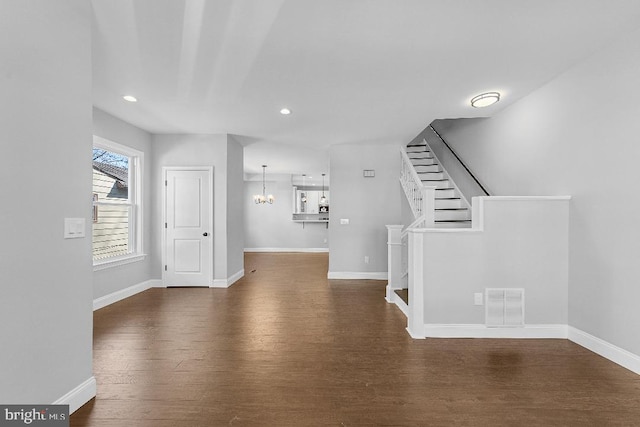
(163, 186)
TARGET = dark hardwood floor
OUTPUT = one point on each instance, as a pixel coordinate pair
(284, 346)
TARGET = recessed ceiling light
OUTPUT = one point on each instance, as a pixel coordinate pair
(285, 111)
(485, 99)
(130, 98)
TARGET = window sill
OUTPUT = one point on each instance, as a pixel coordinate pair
(116, 262)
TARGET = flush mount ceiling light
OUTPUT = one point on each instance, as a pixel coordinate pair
(485, 99)
(263, 198)
(130, 98)
(285, 111)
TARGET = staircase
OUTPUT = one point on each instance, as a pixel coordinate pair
(451, 210)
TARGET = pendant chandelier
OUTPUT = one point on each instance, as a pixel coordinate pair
(263, 198)
(323, 199)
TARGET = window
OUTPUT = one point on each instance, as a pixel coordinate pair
(117, 210)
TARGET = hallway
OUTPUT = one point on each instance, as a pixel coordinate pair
(284, 346)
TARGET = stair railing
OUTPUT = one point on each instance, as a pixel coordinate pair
(422, 201)
(484, 190)
(421, 198)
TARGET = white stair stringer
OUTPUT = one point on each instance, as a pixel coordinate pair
(451, 209)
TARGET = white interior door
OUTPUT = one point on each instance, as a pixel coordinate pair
(188, 228)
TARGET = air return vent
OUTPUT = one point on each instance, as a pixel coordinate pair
(504, 307)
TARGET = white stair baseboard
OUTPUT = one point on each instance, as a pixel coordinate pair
(395, 299)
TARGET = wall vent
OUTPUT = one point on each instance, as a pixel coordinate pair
(504, 307)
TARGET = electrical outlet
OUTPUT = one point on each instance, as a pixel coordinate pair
(366, 259)
(325, 240)
(477, 298)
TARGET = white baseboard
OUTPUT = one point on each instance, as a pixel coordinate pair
(358, 275)
(125, 293)
(225, 283)
(607, 350)
(482, 331)
(79, 395)
(286, 249)
(395, 299)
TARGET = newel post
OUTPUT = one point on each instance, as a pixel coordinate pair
(415, 321)
(394, 259)
(429, 206)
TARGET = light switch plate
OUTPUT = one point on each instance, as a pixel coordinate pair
(477, 298)
(74, 228)
(344, 221)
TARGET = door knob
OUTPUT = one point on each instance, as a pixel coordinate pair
(205, 234)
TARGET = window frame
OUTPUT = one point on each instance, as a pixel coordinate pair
(135, 193)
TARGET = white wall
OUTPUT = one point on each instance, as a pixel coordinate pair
(46, 317)
(578, 135)
(117, 278)
(235, 207)
(520, 243)
(199, 150)
(270, 227)
(368, 203)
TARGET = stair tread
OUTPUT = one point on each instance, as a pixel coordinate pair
(452, 209)
(452, 220)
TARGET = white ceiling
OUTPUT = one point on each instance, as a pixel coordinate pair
(351, 71)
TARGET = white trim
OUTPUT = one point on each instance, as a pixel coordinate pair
(116, 262)
(415, 284)
(286, 249)
(225, 283)
(116, 296)
(358, 275)
(395, 299)
(607, 350)
(482, 331)
(79, 395)
(389, 293)
(523, 198)
(136, 201)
